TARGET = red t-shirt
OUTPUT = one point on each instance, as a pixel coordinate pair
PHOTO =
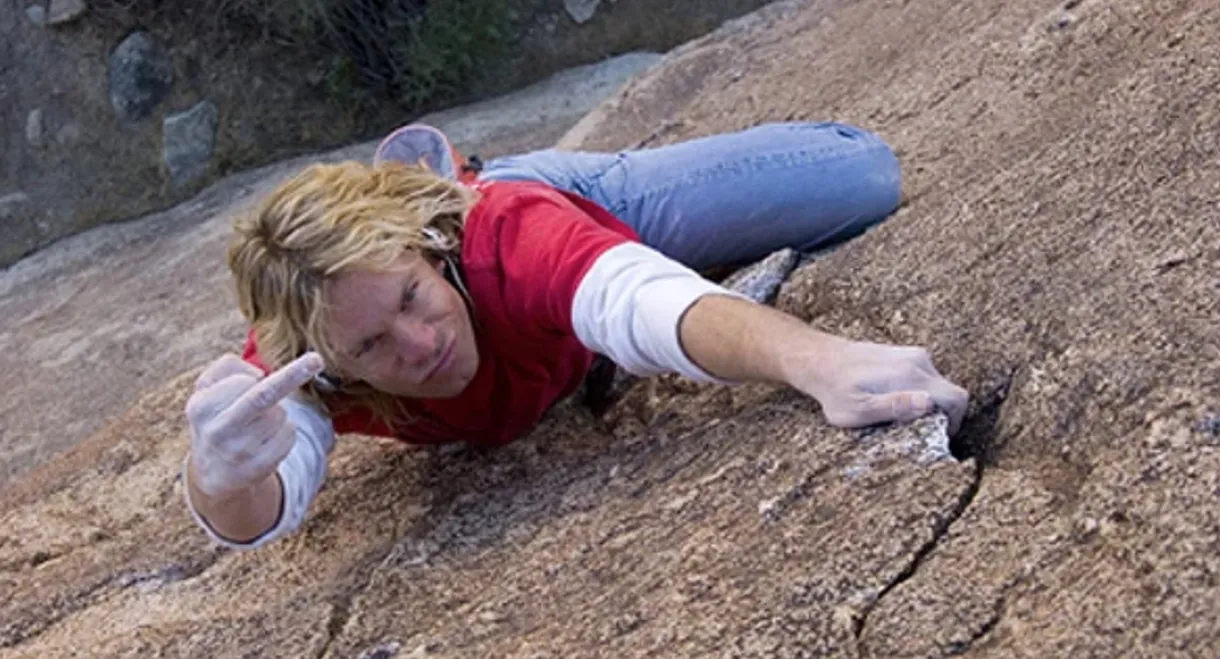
(525, 250)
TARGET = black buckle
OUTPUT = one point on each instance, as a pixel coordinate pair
(473, 164)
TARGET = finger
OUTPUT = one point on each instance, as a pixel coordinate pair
(224, 367)
(953, 400)
(275, 387)
(207, 404)
(921, 358)
(281, 444)
(265, 449)
(899, 406)
(250, 440)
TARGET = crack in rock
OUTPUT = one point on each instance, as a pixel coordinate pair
(976, 436)
(938, 533)
(997, 614)
(341, 611)
(150, 581)
(72, 603)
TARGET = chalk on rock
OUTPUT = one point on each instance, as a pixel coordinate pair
(382, 651)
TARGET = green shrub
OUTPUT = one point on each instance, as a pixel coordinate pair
(448, 48)
(419, 53)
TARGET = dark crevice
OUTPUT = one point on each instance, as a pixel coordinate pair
(976, 437)
(938, 533)
(972, 441)
(170, 574)
(71, 603)
(958, 649)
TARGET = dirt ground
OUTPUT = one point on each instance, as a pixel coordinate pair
(1057, 252)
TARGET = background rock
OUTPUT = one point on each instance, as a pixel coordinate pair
(141, 75)
(33, 128)
(581, 10)
(37, 14)
(65, 11)
(190, 138)
(106, 82)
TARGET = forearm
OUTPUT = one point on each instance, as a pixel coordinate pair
(857, 383)
(244, 515)
(738, 340)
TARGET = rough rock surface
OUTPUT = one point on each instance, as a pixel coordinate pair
(1060, 234)
(1057, 252)
(761, 281)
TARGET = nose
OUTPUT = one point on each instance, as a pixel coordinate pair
(417, 341)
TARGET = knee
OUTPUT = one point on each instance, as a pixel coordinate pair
(880, 172)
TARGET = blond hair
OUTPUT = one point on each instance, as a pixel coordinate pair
(327, 220)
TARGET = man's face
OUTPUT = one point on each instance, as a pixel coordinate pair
(404, 330)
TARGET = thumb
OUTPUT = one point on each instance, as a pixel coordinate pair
(900, 406)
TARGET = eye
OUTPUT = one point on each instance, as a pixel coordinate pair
(366, 347)
(408, 296)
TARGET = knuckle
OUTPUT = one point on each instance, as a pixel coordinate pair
(197, 409)
(266, 399)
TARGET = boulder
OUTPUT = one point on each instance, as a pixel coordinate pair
(140, 77)
(189, 140)
(581, 10)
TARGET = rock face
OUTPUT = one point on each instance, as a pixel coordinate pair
(1057, 252)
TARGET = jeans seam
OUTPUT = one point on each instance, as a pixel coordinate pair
(806, 156)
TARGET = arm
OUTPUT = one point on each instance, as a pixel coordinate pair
(652, 315)
(242, 488)
(857, 383)
(238, 518)
(275, 506)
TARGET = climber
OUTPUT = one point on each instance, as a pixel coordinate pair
(432, 298)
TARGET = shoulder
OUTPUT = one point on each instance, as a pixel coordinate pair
(526, 219)
(528, 246)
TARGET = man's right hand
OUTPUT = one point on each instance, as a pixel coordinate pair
(239, 432)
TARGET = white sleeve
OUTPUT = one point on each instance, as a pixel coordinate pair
(629, 305)
(301, 472)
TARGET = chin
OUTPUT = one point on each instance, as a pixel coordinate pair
(450, 387)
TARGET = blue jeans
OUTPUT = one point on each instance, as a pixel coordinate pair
(732, 198)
